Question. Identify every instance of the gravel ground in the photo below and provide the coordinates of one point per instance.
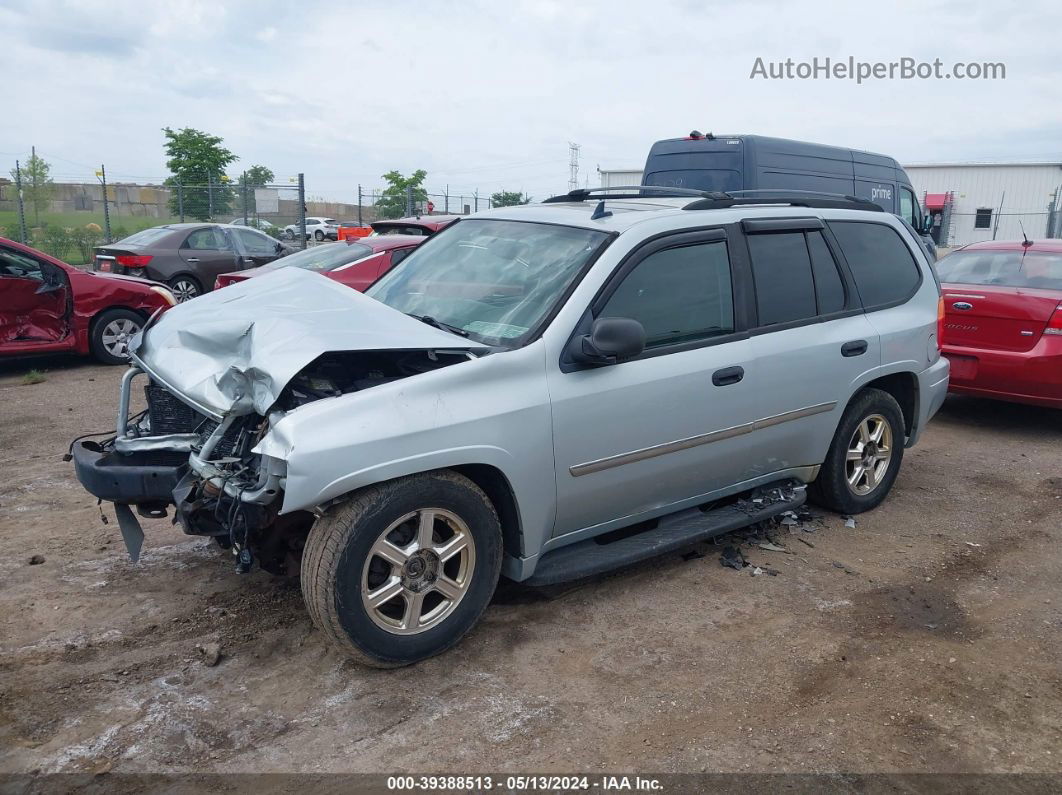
(927, 638)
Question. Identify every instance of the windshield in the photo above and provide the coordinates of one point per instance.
(1008, 268)
(496, 280)
(323, 258)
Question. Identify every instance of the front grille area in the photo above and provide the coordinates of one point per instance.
(168, 414)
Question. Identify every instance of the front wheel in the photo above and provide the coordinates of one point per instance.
(318, 236)
(865, 455)
(404, 569)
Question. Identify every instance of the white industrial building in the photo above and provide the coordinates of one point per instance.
(968, 201)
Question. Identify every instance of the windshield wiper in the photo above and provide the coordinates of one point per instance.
(439, 324)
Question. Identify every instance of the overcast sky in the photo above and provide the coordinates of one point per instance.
(488, 94)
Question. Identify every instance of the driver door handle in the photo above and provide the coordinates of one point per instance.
(192, 259)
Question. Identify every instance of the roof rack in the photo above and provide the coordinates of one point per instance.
(794, 198)
(637, 192)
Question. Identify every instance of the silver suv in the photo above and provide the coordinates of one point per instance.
(545, 392)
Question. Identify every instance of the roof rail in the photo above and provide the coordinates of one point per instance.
(637, 192)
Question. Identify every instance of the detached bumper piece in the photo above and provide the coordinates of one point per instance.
(145, 479)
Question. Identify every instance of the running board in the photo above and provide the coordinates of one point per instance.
(673, 532)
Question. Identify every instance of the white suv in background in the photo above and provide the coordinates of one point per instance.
(317, 228)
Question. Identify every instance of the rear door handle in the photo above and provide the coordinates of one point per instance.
(727, 376)
(854, 348)
(192, 259)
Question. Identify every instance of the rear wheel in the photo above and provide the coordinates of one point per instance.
(865, 456)
(185, 288)
(318, 236)
(403, 570)
(111, 333)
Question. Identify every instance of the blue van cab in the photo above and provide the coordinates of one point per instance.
(733, 163)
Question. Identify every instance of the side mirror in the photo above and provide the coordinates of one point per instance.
(611, 340)
(927, 224)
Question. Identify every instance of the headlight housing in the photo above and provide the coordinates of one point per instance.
(167, 296)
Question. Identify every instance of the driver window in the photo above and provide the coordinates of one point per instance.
(256, 243)
(678, 295)
(908, 207)
(20, 266)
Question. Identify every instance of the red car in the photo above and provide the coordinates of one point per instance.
(356, 263)
(47, 306)
(1003, 320)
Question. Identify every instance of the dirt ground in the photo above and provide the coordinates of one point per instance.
(927, 638)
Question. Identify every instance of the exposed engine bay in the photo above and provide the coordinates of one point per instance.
(174, 454)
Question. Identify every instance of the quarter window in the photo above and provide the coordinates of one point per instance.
(885, 272)
(678, 295)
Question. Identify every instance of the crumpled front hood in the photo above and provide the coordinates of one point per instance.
(235, 349)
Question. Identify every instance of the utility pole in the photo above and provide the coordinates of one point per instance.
(21, 207)
(573, 166)
(302, 210)
(102, 174)
(33, 173)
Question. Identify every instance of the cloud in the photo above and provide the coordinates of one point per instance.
(487, 95)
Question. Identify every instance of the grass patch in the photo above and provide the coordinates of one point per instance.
(33, 377)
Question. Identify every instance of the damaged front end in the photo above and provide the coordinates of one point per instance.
(171, 454)
(218, 374)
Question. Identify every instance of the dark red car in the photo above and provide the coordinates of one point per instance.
(47, 306)
(1003, 320)
(424, 225)
(356, 263)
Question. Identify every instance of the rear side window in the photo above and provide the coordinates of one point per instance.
(885, 272)
(829, 289)
(781, 269)
(678, 295)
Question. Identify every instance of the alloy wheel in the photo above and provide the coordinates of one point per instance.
(116, 336)
(184, 290)
(418, 571)
(869, 454)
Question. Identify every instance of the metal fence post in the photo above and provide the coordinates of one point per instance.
(302, 210)
(475, 199)
(409, 200)
(446, 200)
(180, 201)
(210, 197)
(245, 198)
(24, 239)
(106, 208)
(359, 206)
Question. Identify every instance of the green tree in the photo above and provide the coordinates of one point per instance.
(392, 201)
(37, 186)
(255, 177)
(196, 161)
(509, 198)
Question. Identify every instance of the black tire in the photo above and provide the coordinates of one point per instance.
(318, 236)
(832, 488)
(337, 555)
(185, 287)
(111, 330)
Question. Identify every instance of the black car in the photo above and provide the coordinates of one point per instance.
(189, 257)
